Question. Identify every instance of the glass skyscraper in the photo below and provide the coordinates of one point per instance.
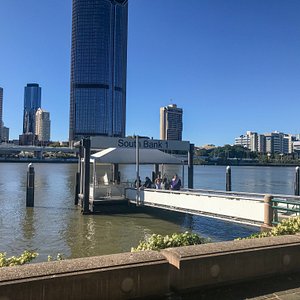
(98, 68)
(32, 101)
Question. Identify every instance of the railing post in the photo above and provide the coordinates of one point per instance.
(268, 212)
(30, 186)
(228, 179)
(297, 181)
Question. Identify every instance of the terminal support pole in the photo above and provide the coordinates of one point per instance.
(228, 178)
(77, 187)
(191, 167)
(137, 166)
(30, 186)
(297, 181)
(77, 175)
(182, 173)
(116, 178)
(268, 212)
(86, 188)
(156, 171)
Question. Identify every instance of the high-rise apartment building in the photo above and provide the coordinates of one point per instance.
(261, 143)
(32, 101)
(1, 111)
(249, 141)
(276, 142)
(171, 123)
(98, 68)
(42, 125)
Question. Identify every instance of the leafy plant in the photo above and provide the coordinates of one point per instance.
(24, 258)
(286, 226)
(58, 257)
(158, 242)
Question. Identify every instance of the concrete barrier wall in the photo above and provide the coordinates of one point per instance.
(152, 274)
(223, 205)
(118, 276)
(234, 261)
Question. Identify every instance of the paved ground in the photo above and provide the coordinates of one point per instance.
(281, 287)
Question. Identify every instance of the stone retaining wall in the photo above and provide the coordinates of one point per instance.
(152, 274)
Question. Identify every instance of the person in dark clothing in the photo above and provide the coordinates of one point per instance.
(175, 183)
(165, 185)
(148, 183)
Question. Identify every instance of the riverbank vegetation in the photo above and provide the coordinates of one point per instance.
(286, 226)
(238, 155)
(25, 257)
(158, 242)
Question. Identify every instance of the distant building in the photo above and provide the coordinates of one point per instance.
(261, 143)
(289, 140)
(5, 133)
(274, 142)
(32, 101)
(1, 111)
(206, 147)
(42, 125)
(27, 139)
(296, 146)
(171, 123)
(98, 68)
(249, 141)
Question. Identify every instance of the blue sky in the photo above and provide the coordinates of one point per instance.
(232, 65)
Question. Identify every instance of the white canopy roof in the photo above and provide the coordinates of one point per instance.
(128, 156)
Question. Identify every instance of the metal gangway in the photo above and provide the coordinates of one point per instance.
(240, 207)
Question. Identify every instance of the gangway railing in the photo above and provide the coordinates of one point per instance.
(107, 191)
(285, 207)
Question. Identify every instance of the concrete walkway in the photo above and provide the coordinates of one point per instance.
(285, 287)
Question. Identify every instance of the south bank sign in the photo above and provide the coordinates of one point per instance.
(100, 142)
(148, 144)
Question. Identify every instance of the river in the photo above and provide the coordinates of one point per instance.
(55, 225)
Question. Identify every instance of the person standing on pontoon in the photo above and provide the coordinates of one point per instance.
(175, 183)
(148, 183)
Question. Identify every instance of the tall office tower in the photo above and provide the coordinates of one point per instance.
(171, 123)
(98, 68)
(1, 106)
(32, 101)
(42, 125)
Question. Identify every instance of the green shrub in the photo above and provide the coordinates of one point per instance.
(58, 257)
(158, 242)
(24, 258)
(286, 226)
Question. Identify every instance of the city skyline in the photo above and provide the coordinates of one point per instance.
(231, 66)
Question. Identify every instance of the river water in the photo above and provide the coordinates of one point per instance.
(55, 225)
